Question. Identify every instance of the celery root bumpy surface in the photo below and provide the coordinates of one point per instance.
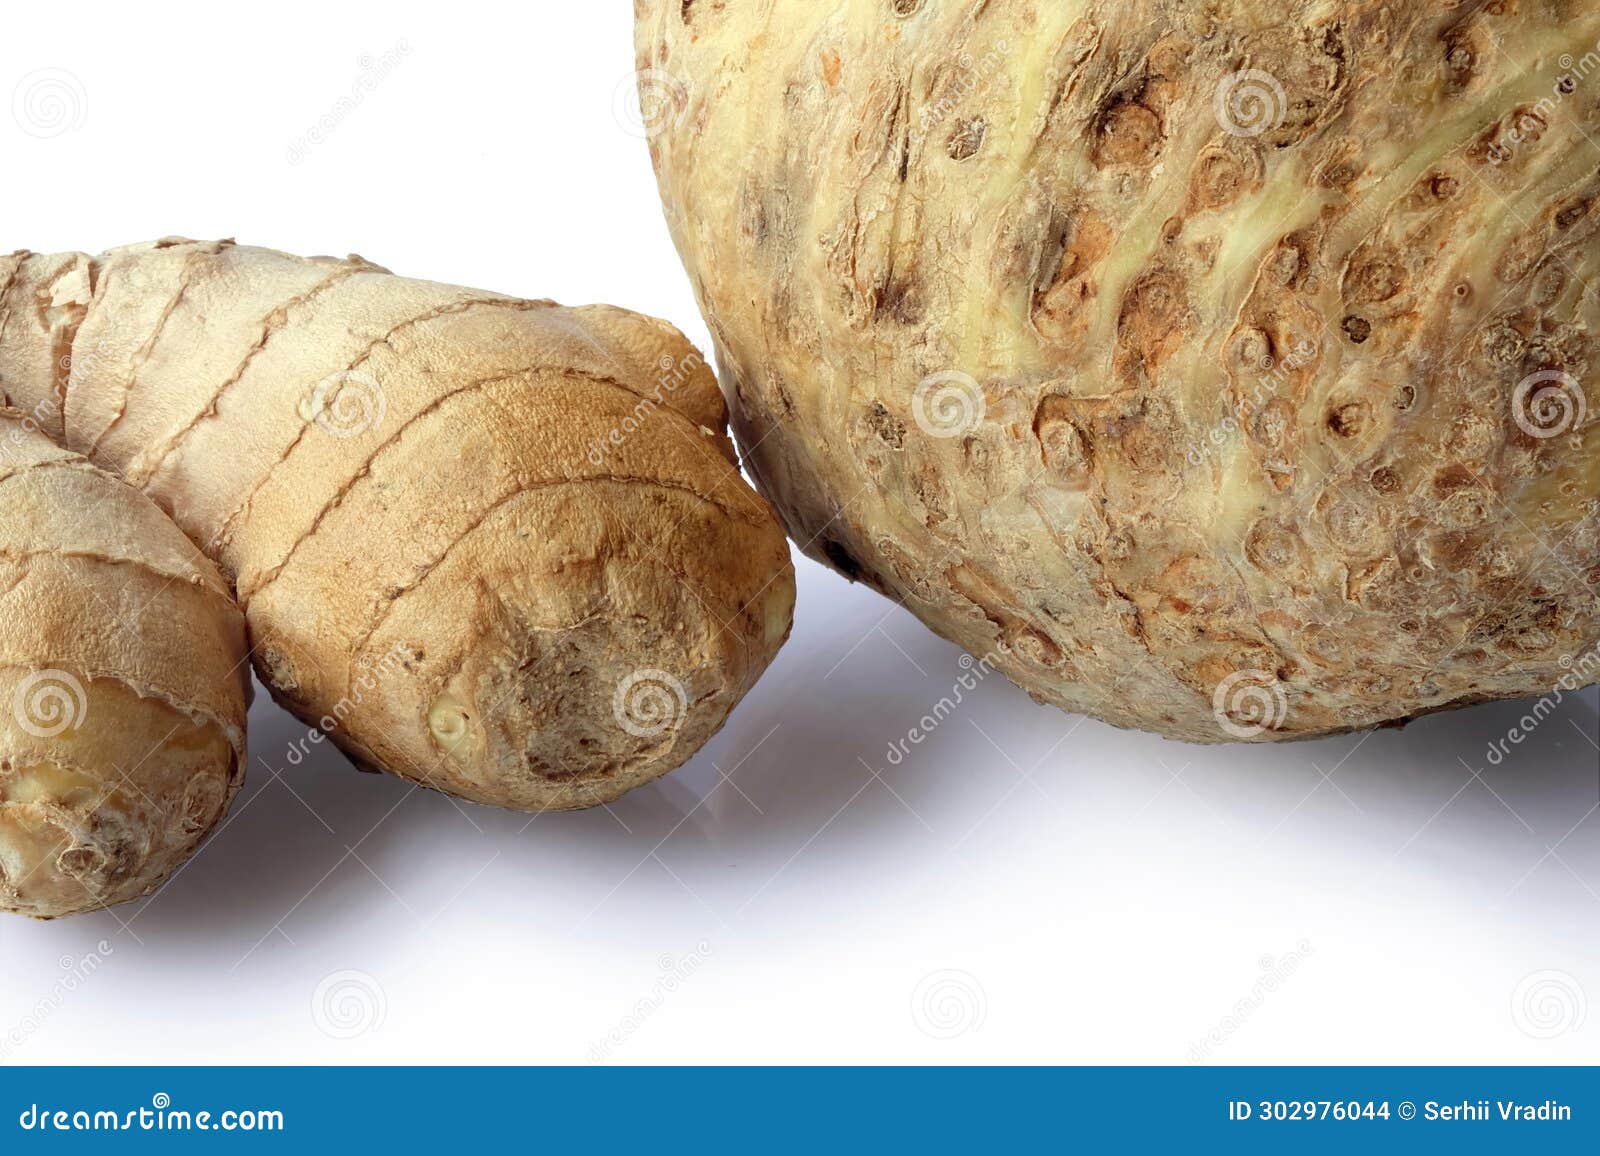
(1226, 370)
(496, 546)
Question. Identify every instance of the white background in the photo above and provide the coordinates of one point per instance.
(1027, 886)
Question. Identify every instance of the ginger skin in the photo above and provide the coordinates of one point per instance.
(123, 685)
(498, 547)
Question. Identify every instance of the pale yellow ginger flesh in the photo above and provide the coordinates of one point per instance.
(123, 685)
(1226, 370)
(474, 537)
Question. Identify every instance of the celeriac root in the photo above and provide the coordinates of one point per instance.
(1226, 370)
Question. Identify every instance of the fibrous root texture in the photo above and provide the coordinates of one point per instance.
(1225, 370)
(495, 546)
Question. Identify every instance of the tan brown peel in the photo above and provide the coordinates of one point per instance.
(1224, 370)
(495, 546)
(123, 685)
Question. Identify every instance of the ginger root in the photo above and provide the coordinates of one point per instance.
(123, 685)
(494, 546)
